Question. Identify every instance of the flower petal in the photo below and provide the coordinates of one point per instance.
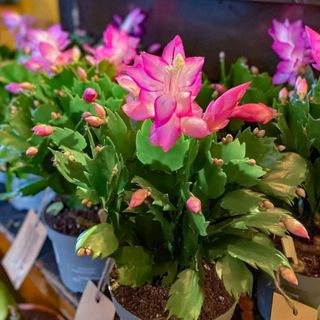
(194, 127)
(191, 70)
(253, 112)
(172, 49)
(164, 107)
(143, 80)
(154, 66)
(138, 110)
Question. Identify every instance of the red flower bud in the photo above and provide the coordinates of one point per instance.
(86, 114)
(289, 275)
(194, 204)
(42, 130)
(138, 197)
(32, 151)
(301, 87)
(89, 95)
(100, 111)
(94, 121)
(295, 227)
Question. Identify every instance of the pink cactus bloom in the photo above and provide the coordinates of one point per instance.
(119, 48)
(15, 87)
(291, 45)
(194, 204)
(132, 23)
(226, 107)
(168, 87)
(314, 41)
(43, 130)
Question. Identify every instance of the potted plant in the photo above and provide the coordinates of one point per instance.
(47, 110)
(10, 310)
(188, 206)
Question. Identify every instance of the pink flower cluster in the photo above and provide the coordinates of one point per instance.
(119, 48)
(291, 45)
(165, 88)
(47, 50)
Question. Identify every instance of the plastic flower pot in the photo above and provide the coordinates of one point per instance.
(74, 271)
(307, 292)
(35, 202)
(34, 311)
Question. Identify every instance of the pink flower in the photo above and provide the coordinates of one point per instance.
(314, 40)
(138, 197)
(168, 87)
(15, 87)
(119, 48)
(194, 204)
(132, 23)
(295, 227)
(301, 87)
(291, 46)
(42, 130)
(226, 107)
(89, 95)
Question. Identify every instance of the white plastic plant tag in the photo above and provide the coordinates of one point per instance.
(25, 249)
(281, 310)
(92, 308)
(289, 249)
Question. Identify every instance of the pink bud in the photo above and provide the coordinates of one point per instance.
(288, 275)
(220, 88)
(295, 227)
(94, 121)
(42, 130)
(100, 111)
(283, 95)
(32, 151)
(15, 87)
(194, 204)
(301, 87)
(86, 114)
(89, 95)
(82, 73)
(138, 197)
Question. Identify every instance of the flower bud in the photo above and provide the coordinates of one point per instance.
(55, 115)
(301, 192)
(194, 204)
(42, 130)
(89, 95)
(289, 275)
(82, 73)
(86, 114)
(295, 227)
(218, 162)
(15, 87)
(283, 95)
(98, 149)
(138, 197)
(100, 111)
(32, 151)
(251, 162)
(301, 87)
(281, 147)
(84, 252)
(94, 121)
(220, 88)
(254, 70)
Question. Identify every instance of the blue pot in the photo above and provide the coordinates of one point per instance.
(74, 271)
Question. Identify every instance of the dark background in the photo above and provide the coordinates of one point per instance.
(238, 27)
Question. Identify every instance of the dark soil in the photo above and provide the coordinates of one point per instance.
(72, 222)
(148, 302)
(310, 259)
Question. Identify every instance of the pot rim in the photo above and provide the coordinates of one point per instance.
(40, 307)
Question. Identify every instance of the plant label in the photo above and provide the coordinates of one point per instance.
(281, 310)
(94, 305)
(25, 249)
(289, 249)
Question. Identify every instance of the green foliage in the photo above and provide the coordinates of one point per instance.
(5, 301)
(187, 286)
(101, 239)
(155, 156)
(236, 276)
(134, 265)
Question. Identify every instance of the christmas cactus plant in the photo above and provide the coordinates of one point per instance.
(176, 190)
